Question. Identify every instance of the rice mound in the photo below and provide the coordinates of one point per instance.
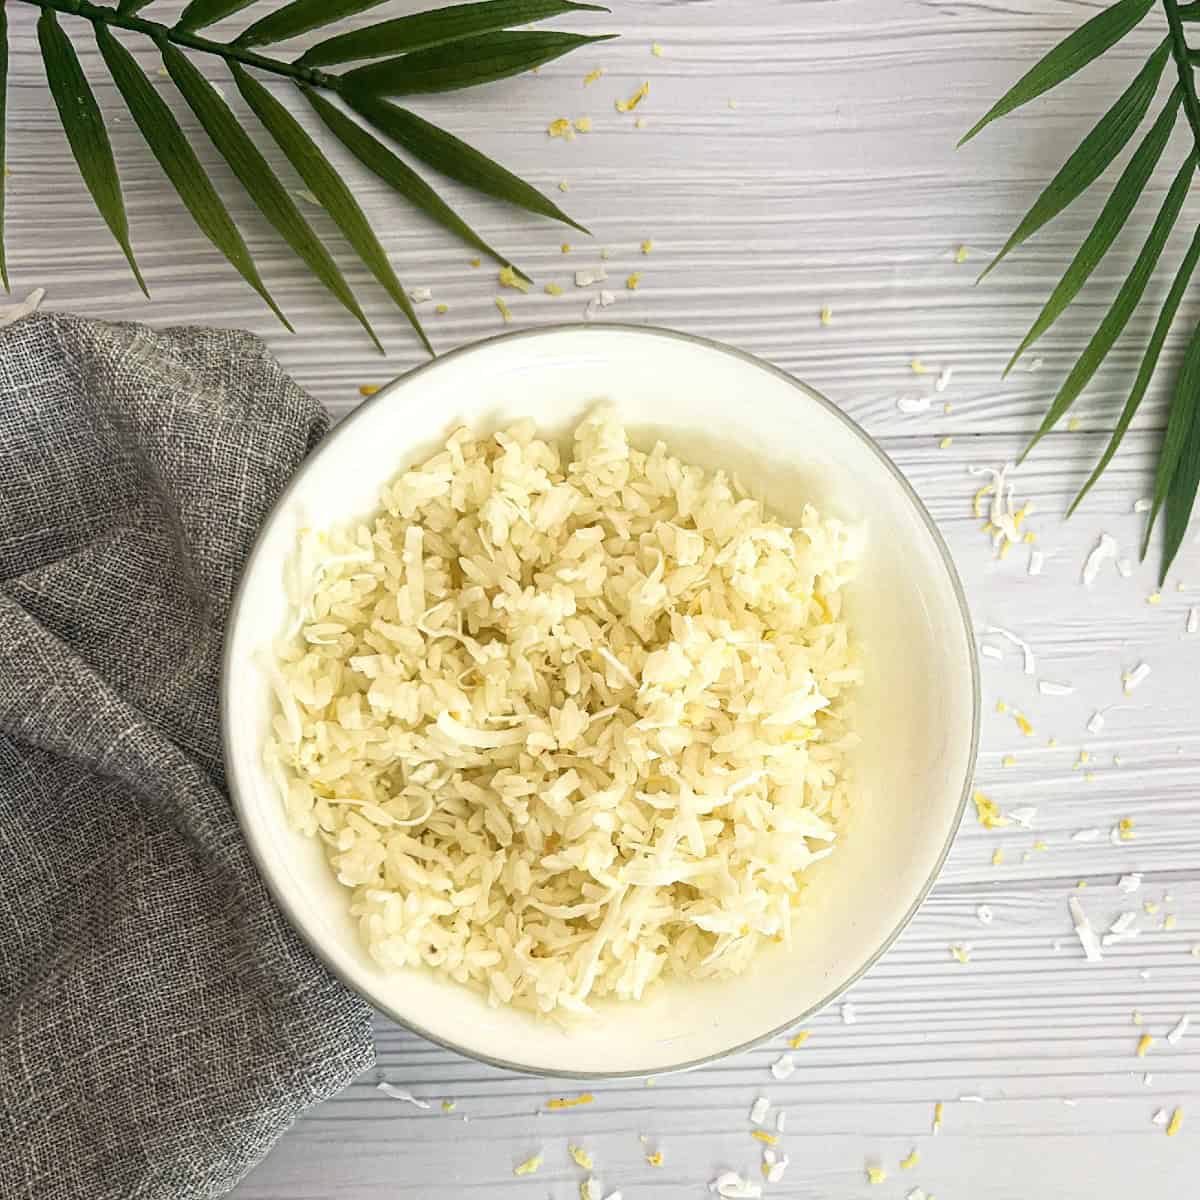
(565, 727)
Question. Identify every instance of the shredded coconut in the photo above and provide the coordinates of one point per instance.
(1105, 549)
(390, 1089)
(784, 1067)
(1180, 1028)
(1131, 882)
(567, 725)
(1084, 931)
(1020, 643)
(1049, 688)
(1135, 677)
(729, 1185)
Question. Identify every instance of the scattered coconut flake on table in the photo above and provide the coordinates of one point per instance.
(971, 1099)
(1049, 688)
(1180, 1028)
(1037, 560)
(783, 1067)
(1104, 549)
(758, 1110)
(1020, 643)
(1122, 929)
(729, 1185)
(420, 295)
(1096, 722)
(1023, 816)
(1130, 882)
(390, 1089)
(1193, 620)
(991, 652)
(911, 405)
(780, 1120)
(776, 1168)
(917, 1194)
(586, 276)
(1004, 521)
(1142, 505)
(11, 313)
(984, 913)
(943, 380)
(1084, 931)
(1136, 677)
(849, 1013)
(1087, 835)
(1160, 1117)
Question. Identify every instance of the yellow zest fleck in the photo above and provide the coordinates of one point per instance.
(1073, 425)
(1082, 883)
(1084, 756)
(560, 128)
(732, 102)
(798, 1040)
(1005, 546)
(1137, 1017)
(997, 857)
(938, 1110)
(988, 812)
(1008, 761)
(655, 1159)
(1052, 742)
(977, 502)
(583, 124)
(448, 1106)
(529, 1166)
(763, 1136)
(1030, 537)
(917, 367)
(1125, 829)
(634, 100)
(565, 247)
(1151, 907)
(476, 262)
(1040, 845)
(650, 1079)
(1154, 598)
(368, 389)
(1175, 1122)
(947, 408)
(907, 1164)
(563, 186)
(1001, 707)
(592, 76)
(573, 1102)
(632, 282)
(505, 311)
(640, 123)
(1023, 725)
(581, 1156)
(876, 1174)
(510, 279)
(961, 254)
(442, 309)
(987, 527)
(647, 246)
(945, 444)
(1170, 921)
(656, 50)
(960, 954)
(552, 289)
(1144, 1044)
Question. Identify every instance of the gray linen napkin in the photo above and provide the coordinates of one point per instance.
(160, 1024)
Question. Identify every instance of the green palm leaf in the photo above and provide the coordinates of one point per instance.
(256, 176)
(467, 63)
(325, 183)
(178, 160)
(1072, 54)
(1178, 435)
(128, 7)
(397, 174)
(1145, 373)
(299, 17)
(1110, 222)
(84, 127)
(452, 156)
(1127, 300)
(422, 30)
(1094, 154)
(3, 136)
(1181, 496)
(200, 13)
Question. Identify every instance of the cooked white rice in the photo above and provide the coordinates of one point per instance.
(568, 726)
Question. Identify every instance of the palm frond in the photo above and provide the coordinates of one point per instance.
(1178, 473)
(261, 183)
(329, 189)
(421, 31)
(437, 50)
(86, 134)
(1072, 54)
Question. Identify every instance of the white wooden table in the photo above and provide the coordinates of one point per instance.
(797, 155)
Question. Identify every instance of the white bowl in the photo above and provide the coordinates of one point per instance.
(919, 717)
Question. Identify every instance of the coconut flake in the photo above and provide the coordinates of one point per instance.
(1121, 930)
(1096, 723)
(1020, 643)
(1084, 931)
(1049, 688)
(729, 1185)
(586, 276)
(1087, 835)
(849, 1014)
(783, 1067)
(390, 1089)
(1105, 549)
(1136, 677)
(420, 295)
(971, 1099)
(1143, 505)
(758, 1110)
(780, 1120)
(777, 1168)
(1193, 620)
(11, 313)
(1160, 1117)
(911, 405)
(1131, 882)
(1037, 560)
(984, 913)
(1181, 1027)
(991, 652)
(943, 380)
(1023, 816)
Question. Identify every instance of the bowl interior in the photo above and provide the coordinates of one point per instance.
(715, 407)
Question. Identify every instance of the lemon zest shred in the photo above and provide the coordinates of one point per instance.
(570, 1102)
(798, 1040)
(1144, 1044)
(530, 1165)
(505, 311)
(592, 76)
(581, 1156)
(634, 100)
(1175, 1122)
(907, 1164)
(768, 1139)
